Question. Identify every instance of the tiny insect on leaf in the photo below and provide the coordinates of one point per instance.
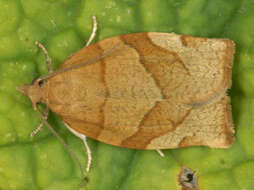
(144, 91)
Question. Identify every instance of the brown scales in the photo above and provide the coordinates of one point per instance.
(154, 91)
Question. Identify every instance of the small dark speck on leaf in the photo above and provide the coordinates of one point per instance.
(188, 179)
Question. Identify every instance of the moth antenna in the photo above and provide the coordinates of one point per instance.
(61, 140)
(80, 64)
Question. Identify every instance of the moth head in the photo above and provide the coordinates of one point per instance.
(33, 91)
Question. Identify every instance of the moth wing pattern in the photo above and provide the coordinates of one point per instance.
(154, 91)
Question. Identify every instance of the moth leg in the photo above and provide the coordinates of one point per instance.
(60, 139)
(48, 60)
(160, 152)
(89, 154)
(93, 31)
(45, 116)
(88, 150)
(50, 70)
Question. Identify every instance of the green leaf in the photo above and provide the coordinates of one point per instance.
(64, 26)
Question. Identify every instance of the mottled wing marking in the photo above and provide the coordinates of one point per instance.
(152, 127)
(132, 92)
(209, 125)
(208, 60)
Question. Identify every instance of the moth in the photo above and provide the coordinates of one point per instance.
(143, 91)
